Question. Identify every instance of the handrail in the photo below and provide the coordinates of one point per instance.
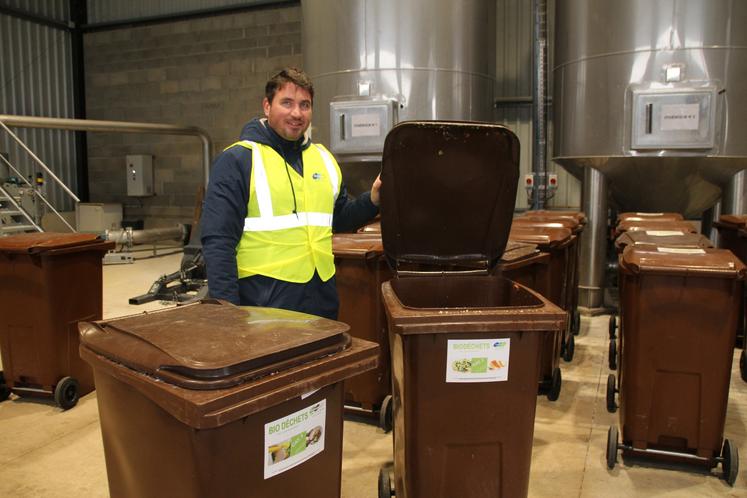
(20, 209)
(114, 126)
(38, 194)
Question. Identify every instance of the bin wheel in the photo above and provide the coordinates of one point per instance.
(613, 326)
(385, 414)
(743, 366)
(385, 483)
(611, 447)
(66, 393)
(557, 379)
(575, 322)
(611, 405)
(570, 348)
(730, 462)
(612, 360)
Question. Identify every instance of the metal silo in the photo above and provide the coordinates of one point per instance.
(649, 103)
(377, 62)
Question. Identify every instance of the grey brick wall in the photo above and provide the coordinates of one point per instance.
(207, 72)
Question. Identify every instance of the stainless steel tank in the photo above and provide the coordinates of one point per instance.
(377, 62)
(652, 95)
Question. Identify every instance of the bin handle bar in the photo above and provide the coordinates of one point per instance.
(443, 273)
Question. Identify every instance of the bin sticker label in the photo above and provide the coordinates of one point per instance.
(477, 360)
(680, 250)
(664, 233)
(293, 439)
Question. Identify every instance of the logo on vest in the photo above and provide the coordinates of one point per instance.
(316, 176)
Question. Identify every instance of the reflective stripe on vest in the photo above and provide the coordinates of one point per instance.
(267, 221)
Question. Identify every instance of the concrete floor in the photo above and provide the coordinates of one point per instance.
(46, 452)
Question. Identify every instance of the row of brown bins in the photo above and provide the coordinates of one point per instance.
(465, 342)
(679, 309)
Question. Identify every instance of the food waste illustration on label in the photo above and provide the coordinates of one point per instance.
(477, 360)
(295, 438)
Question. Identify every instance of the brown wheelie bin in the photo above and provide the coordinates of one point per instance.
(580, 219)
(732, 236)
(360, 270)
(524, 264)
(673, 227)
(563, 266)
(465, 345)
(679, 311)
(636, 216)
(215, 400)
(650, 239)
(50, 281)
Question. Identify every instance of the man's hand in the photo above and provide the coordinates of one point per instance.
(375, 197)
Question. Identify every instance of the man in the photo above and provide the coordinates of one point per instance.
(272, 202)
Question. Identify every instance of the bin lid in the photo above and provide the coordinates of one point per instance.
(663, 238)
(213, 344)
(733, 221)
(635, 216)
(682, 261)
(516, 250)
(661, 225)
(544, 237)
(448, 192)
(357, 245)
(38, 242)
(566, 221)
(551, 214)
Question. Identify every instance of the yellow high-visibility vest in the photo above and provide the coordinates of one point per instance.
(277, 242)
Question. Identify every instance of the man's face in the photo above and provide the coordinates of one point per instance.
(289, 113)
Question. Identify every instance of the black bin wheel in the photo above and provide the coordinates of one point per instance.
(557, 379)
(611, 447)
(385, 483)
(4, 389)
(611, 405)
(612, 359)
(743, 366)
(613, 326)
(385, 414)
(730, 462)
(575, 322)
(66, 393)
(570, 348)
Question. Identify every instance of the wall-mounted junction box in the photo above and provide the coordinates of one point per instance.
(139, 175)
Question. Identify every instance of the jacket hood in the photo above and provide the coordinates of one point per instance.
(258, 130)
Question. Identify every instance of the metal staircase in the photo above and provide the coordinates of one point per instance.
(14, 217)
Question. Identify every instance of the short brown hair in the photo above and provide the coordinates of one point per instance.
(288, 75)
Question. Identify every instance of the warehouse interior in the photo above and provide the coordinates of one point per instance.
(627, 122)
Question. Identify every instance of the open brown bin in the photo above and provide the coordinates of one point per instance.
(461, 338)
(214, 400)
(466, 438)
(680, 314)
(557, 239)
(360, 270)
(50, 281)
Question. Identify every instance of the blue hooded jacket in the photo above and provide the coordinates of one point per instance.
(222, 226)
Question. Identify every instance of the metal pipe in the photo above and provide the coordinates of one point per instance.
(592, 263)
(711, 215)
(114, 126)
(539, 116)
(128, 237)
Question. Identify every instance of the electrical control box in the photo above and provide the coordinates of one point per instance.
(139, 175)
